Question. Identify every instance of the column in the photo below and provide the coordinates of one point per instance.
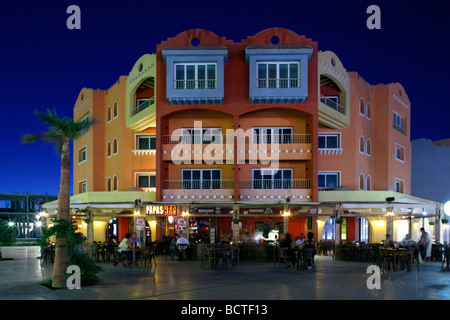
(285, 219)
(236, 215)
(390, 226)
(90, 230)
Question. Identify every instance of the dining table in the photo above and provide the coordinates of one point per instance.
(136, 250)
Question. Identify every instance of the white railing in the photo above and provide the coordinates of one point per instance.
(143, 105)
(332, 104)
(199, 184)
(275, 184)
(278, 83)
(196, 84)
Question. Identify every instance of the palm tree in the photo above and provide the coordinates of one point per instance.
(61, 131)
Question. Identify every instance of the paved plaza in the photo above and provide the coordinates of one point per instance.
(173, 280)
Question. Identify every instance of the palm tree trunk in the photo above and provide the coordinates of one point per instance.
(61, 256)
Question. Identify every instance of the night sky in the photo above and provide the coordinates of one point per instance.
(44, 65)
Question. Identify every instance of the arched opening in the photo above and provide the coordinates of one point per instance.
(108, 184)
(361, 144)
(109, 149)
(115, 110)
(368, 183)
(361, 181)
(362, 108)
(115, 183)
(369, 111)
(144, 96)
(368, 147)
(108, 114)
(331, 94)
(115, 146)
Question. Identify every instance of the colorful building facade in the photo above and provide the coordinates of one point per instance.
(247, 140)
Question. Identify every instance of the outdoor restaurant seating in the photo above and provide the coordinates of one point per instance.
(220, 257)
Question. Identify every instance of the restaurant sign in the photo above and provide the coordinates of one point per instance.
(166, 210)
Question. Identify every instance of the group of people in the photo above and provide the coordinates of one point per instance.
(424, 244)
(174, 244)
(301, 243)
(126, 246)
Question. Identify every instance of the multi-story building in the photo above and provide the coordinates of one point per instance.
(255, 137)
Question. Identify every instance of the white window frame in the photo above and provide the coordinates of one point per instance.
(111, 182)
(399, 146)
(398, 180)
(359, 145)
(371, 110)
(273, 176)
(114, 153)
(201, 178)
(359, 182)
(149, 174)
(370, 178)
(359, 106)
(369, 140)
(272, 135)
(278, 63)
(196, 80)
(112, 186)
(83, 183)
(84, 120)
(109, 144)
(338, 134)
(338, 173)
(394, 115)
(83, 147)
(115, 116)
(183, 130)
(136, 140)
(110, 113)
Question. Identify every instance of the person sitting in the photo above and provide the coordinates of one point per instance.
(286, 244)
(310, 244)
(135, 241)
(182, 244)
(407, 241)
(124, 250)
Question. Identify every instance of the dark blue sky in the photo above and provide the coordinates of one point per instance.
(45, 65)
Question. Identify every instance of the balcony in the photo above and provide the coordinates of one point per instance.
(275, 189)
(332, 104)
(198, 190)
(143, 105)
(186, 147)
(195, 84)
(278, 83)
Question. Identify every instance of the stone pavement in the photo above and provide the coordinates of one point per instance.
(173, 280)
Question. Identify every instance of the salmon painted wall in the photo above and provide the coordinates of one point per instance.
(236, 101)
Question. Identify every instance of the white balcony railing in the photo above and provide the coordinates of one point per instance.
(143, 105)
(199, 184)
(275, 184)
(332, 104)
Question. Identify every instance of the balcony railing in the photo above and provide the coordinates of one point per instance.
(223, 138)
(278, 83)
(275, 184)
(332, 104)
(199, 184)
(143, 105)
(196, 84)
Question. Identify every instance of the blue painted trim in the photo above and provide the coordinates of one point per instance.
(195, 96)
(278, 95)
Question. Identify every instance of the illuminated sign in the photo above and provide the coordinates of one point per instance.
(167, 210)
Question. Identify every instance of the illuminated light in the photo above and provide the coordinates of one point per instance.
(38, 216)
(50, 225)
(185, 214)
(43, 213)
(73, 217)
(286, 213)
(10, 224)
(412, 217)
(83, 223)
(153, 223)
(170, 219)
(80, 226)
(379, 222)
(389, 211)
(97, 223)
(424, 213)
(447, 207)
(38, 224)
(136, 213)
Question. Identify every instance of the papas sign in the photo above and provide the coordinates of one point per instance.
(166, 210)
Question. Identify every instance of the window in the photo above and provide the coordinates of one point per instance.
(115, 146)
(398, 123)
(85, 120)
(108, 114)
(82, 186)
(362, 108)
(146, 142)
(202, 178)
(272, 135)
(109, 150)
(361, 144)
(364, 230)
(284, 74)
(82, 155)
(146, 180)
(399, 152)
(116, 109)
(329, 179)
(399, 185)
(368, 183)
(202, 136)
(329, 141)
(195, 76)
(368, 147)
(108, 184)
(369, 111)
(361, 181)
(115, 183)
(272, 179)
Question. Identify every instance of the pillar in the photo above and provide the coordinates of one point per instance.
(90, 230)
(236, 215)
(390, 226)
(285, 219)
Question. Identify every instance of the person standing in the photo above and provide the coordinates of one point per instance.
(425, 241)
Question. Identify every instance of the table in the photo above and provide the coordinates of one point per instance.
(135, 250)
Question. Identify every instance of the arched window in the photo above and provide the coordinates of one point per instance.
(108, 152)
(361, 181)
(108, 114)
(369, 111)
(362, 107)
(361, 144)
(116, 109)
(115, 146)
(108, 184)
(368, 183)
(115, 183)
(369, 147)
